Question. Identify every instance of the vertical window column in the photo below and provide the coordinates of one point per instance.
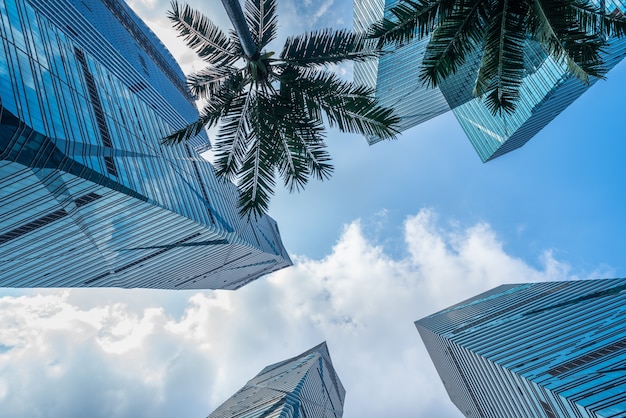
(94, 97)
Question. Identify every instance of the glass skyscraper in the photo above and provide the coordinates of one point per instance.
(546, 91)
(394, 76)
(305, 386)
(88, 195)
(554, 349)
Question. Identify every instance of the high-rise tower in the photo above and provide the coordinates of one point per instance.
(534, 350)
(305, 386)
(88, 195)
(546, 91)
(394, 75)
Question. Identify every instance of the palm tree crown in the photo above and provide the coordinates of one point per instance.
(270, 110)
(574, 32)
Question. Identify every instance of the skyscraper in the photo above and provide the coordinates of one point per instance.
(553, 349)
(305, 386)
(394, 76)
(88, 194)
(546, 90)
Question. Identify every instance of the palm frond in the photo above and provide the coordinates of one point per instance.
(217, 106)
(555, 28)
(582, 35)
(256, 176)
(327, 46)
(186, 133)
(211, 114)
(205, 83)
(256, 185)
(202, 35)
(237, 48)
(584, 51)
(291, 162)
(231, 141)
(308, 157)
(502, 65)
(593, 18)
(316, 155)
(302, 150)
(410, 20)
(292, 166)
(262, 21)
(349, 107)
(360, 116)
(453, 40)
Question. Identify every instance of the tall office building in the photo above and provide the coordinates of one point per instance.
(546, 91)
(88, 195)
(550, 350)
(394, 75)
(305, 386)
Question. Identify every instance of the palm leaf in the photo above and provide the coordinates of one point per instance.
(592, 17)
(316, 155)
(502, 66)
(327, 47)
(202, 35)
(302, 148)
(292, 165)
(554, 27)
(237, 48)
(584, 52)
(217, 106)
(256, 185)
(185, 133)
(205, 83)
(348, 107)
(262, 21)
(410, 19)
(256, 176)
(359, 115)
(455, 39)
(311, 157)
(582, 36)
(233, 136)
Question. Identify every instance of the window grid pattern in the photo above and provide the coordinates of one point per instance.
(568, 356)
(305, 386)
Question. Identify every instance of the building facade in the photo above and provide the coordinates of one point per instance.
(546, 91)
(305, 386)
(393, 75)
(89, 196)
(553, 349)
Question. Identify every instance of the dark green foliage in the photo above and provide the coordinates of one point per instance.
(573, 32)
(271, 110)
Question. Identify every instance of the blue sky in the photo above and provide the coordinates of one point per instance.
(562, 191)
(404, 228)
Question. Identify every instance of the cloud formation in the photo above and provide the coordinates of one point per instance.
(116, 353)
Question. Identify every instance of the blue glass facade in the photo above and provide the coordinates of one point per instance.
(546, 91)
(88, 195)
(553, 349)
(394, 75)
(300, 387)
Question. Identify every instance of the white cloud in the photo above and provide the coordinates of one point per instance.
(118, 353)
(143, 4)
(323, 9)
(154, 14)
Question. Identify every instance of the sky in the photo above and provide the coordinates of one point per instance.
(403, 229)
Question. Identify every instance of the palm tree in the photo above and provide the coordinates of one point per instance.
(573, 32)
(270, 111)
